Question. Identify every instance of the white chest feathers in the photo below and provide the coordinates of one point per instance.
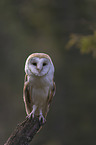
(40, 90)
(39, 96)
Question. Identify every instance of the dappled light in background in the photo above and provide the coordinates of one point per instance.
(46, 26)
(86, 44)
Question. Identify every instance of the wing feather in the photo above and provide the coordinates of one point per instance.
(27, 97)
(50, 97)
(52, 93)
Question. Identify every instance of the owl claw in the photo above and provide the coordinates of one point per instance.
(42, 119)
(31, 114)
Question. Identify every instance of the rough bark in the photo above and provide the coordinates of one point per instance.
(24, 132)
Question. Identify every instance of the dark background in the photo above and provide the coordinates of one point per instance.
(45, 26)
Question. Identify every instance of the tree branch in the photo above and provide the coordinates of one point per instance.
(24, 132)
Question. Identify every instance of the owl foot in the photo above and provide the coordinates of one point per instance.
(42, 119)
(33, 112)
(31, 115)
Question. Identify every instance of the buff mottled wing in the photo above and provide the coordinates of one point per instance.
(27, 97)
(51, 95)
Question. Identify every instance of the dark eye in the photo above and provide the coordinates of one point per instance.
(34, 63)
(44, 64)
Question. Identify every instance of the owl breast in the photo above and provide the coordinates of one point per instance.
(40, 90)
(39, 96)
(41, 82)
(40, 87)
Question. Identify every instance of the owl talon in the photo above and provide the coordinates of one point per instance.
(42, 119)
(33, 115)
(30, 115)
(33, 112)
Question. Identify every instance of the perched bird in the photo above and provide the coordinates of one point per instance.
(39, 85)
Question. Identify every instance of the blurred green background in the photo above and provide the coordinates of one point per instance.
(63, 29)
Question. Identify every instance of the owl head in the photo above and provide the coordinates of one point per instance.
(39, 64)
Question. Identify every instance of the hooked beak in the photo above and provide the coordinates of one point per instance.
(39, 70)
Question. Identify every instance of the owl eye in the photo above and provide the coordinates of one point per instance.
(34, 63)
(44, 63)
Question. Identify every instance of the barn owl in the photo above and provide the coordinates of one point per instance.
(39, 86)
